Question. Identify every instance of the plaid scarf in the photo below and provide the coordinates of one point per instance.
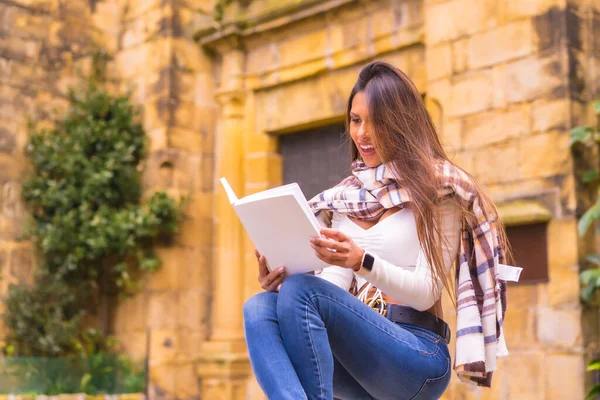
(481, 294)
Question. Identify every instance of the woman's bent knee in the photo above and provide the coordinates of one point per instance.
(260, 307)
(297, 283)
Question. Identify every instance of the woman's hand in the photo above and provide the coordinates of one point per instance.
(338, 249)
(269, 281)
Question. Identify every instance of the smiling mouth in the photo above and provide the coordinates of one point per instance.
(367, 149)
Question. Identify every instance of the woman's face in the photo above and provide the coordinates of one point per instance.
(361, 131)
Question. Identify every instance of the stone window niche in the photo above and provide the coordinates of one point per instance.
(527, 231)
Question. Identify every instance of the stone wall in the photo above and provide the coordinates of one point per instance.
(46, 46)
(505, 81)
(509, 77)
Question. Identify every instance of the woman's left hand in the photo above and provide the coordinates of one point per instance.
(347, 254)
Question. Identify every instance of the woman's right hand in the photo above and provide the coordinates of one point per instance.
(269, 281)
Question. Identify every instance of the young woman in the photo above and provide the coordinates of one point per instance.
(370, 326)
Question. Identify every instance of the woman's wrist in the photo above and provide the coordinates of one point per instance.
(356, 265)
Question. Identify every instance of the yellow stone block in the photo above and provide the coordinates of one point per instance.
(164, 347)
(563, 243)
(439, 61)
(131, 314)
(134, 345)
(193, 310)
(533, 77)
(187, 384)
(566, 379)
(545, 155)
(263, 168)
(166, 278)
(303, 46)
(559, 327)
(460, 60)
(522, 296)
(563, 286)
(550, 115)
(472, 16)
(439, 22)
(497, 164)
(510, 42)
(526, 375)
(485, 128)
(185, 139)
(519, 9)
(192, 342)
(190, 57)
(523, 212)
(137, 7)
(160, 311)
(162, 381)
(471, 93)
(519, 327)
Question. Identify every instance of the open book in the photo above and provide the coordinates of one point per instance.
(280, 223)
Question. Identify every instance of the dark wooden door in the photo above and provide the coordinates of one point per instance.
(316, 159)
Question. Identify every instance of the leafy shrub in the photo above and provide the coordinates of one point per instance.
(589, 136)
(95, 237)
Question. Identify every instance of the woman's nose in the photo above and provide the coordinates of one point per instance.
(362, 132)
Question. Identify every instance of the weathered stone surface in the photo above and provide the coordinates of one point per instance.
(491, 166)
(484, 129)
(471, 93)
(535, 77)
(563, 370)
(161, 310)
(21, 263)
(550, 115)
(526, 375)
(510, 41)
(545, 155)
(519, 326)
(439, 61)
(559, 327)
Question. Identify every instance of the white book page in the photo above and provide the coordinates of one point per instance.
(281, 230)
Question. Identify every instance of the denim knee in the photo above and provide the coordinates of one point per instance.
(260, 307)
(298, 283)
(297, 290)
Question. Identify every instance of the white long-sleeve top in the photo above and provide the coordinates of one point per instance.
(400, 269)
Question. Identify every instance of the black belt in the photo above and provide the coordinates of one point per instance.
(423, 319)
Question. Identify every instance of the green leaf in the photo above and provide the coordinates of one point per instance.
(593, 365)
(593, 258)
(588, 292)
(588, 218)
(594, 391)
(590, 176)
(580, 134)
(589, 275)
(597, 107)
(85, 380)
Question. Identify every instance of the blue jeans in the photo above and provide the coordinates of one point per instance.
(314, 340)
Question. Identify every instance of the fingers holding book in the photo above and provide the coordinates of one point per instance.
(269, 281)
(337, 248)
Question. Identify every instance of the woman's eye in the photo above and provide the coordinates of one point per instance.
(356, 121)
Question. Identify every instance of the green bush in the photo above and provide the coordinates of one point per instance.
(94, 234)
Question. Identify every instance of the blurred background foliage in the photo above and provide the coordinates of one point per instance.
(588, 137)
(95, 237)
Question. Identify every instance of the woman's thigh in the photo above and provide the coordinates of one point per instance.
(388, 360)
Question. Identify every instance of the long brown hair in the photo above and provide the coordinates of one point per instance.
(405, 138)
